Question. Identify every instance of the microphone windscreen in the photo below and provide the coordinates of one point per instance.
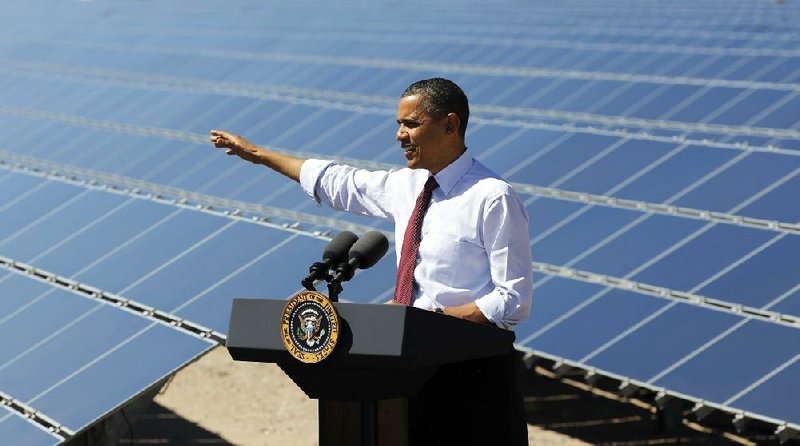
(338, 247)
(369, 249)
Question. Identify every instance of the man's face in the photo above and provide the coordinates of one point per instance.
(421, 136)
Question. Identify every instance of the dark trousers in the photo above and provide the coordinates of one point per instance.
(471, 403)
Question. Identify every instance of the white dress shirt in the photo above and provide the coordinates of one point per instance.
(475, 245)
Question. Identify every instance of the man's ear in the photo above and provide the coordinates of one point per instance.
(452, 123)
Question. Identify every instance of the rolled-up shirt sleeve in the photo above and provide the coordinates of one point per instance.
(507, 244)
(310, 172)
(347, 188)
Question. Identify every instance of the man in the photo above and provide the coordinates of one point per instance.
(461, 232)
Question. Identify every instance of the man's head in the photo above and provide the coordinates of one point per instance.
(432, 116)
(440, 97)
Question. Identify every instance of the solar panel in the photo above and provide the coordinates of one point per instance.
(14, 426)
(655, 147)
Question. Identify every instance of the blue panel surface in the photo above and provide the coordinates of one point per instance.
(304, 131)
(16, 215)
(86, 335)
(557, 163)
(554, 297)
(198, 176)
(718, 373)
(586, 330)
(547, 212)
(707, 254)
(258, 118)
(617, 167)
(274, 276)
(211, 261)
(107, 381)
(762, 278)
(517, 150)
(639, 245)
(587, 96)
(109, 235)
(347, 134)
(78, 344)
(741, 113)
(777, 397)
(788, 303)
(663, 98)
(162, 242)
(574, 238)
(735, 185)
(18, 292)
(627, 100)
(191, 157)
(36, 321)
(662, 341)
(782, 117)
(675, 174)
(773, 205)
(24, 433)
(149, 155)
(45, 235)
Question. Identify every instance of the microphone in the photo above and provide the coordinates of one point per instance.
(364, 254)
(335, 252)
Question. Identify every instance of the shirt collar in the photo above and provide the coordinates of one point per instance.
(449, 176)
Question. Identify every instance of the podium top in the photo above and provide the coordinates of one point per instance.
(372, 336)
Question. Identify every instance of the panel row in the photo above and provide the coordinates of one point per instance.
(23, 431)
(134, 247)
(709, 23)
(737, 264)
(656, 172)
(177, 260)
(681, 347)
(594, 92)
(661, 59)
(63, 347)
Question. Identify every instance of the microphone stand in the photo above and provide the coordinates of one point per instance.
(334, 282)
(344, 272)
(334, 288)
(313, 271)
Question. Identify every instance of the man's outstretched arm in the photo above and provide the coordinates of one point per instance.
(236, 145)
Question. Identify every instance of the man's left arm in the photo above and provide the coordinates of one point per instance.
(507, 244)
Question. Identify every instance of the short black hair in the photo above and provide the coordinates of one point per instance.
(439, 97)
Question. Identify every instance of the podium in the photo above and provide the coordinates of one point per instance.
(384, 352)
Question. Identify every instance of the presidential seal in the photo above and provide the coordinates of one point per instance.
(309, 326)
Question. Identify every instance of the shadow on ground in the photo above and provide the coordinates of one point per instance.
(602, 417)
(158, 425)
(587, 416)
(550, 404)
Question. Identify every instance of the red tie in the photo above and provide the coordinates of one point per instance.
(404, 288)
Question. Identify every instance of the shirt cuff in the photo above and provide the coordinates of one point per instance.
(493, 310)
(310, 172)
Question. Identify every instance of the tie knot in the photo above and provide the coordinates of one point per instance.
(431, 184)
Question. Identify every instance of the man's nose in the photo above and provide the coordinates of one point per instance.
(401, 134)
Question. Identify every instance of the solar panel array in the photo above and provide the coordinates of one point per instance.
(655, 146)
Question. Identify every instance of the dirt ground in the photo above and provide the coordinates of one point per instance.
(218, 401)
(257, 404)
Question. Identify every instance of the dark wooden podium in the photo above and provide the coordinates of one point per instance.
(385, 352)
